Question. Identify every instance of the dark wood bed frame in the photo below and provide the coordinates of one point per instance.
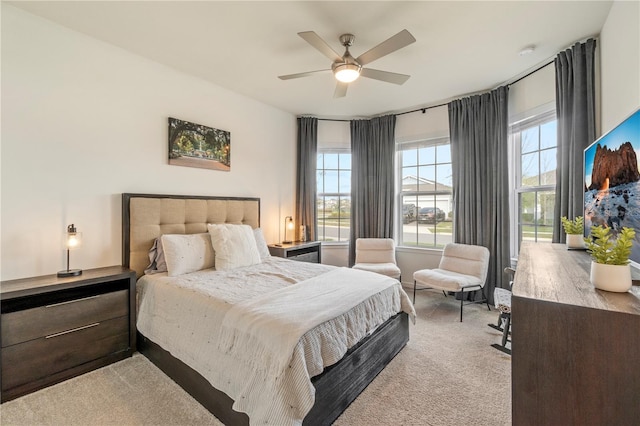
(336, 387)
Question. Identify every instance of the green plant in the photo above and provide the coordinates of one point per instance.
(572, 227)
(604, 250)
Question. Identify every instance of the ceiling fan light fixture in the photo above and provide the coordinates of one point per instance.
(346, 73)
(346, 68)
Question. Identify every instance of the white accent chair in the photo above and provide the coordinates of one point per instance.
(463, 268)
(377, 255)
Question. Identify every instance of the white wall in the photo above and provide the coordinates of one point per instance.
(83, 121)
(620, 63)
(335, 254)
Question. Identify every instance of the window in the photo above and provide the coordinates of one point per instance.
(426, 193)
(334, 195)
(534, 143)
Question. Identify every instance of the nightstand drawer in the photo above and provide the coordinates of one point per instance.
(308, 251)
(29, 324)
(306, 257)
(35, 359)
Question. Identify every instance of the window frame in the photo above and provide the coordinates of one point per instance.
(516, 190)
(320, 227)
(417, 144)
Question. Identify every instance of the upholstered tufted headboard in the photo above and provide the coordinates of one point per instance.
(148, 216)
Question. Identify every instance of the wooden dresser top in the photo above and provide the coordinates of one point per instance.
(550, 272)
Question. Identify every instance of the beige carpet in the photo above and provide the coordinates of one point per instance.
(447, 375)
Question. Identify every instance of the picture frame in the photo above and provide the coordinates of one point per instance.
(197, 145)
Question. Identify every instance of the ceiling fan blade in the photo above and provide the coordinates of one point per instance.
(398, 41)
(341, 90)
(315, 40)
(300, 74)
(389, 77)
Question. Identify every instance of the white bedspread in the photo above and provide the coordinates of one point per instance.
(185, 315)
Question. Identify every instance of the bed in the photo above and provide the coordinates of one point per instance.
(146, 217)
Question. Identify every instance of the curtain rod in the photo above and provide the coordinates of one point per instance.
(532, 72)
(423, 109)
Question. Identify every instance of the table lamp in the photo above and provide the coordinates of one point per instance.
(73, 239)
(288, 225)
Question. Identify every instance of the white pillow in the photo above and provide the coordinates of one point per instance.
(186, 253)
(263, 249)
(234, 245)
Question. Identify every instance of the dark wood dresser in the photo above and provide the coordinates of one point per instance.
(52, 329)
(575, 349)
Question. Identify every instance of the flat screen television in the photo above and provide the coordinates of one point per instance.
(612, 181)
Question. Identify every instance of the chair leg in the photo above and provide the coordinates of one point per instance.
(414, 292)
(497, 326)
(505, 333)
(486, 299)
(506, 326)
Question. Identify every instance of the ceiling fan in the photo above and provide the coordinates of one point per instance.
(346, 68)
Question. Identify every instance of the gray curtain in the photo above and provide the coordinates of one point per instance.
(372, 179)
(575, 108)
(306, 206)
(478, 128)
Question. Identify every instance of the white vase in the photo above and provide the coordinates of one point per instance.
(615, 278)
(575, 241)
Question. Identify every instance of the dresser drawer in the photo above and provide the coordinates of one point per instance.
(35, 359)
(29, 324)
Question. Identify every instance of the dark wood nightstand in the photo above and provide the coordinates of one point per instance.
(52, 329)
(308, 251)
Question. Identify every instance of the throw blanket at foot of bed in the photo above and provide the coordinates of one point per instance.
(263, 332)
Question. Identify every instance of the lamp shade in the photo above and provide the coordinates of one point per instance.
(73, 238)
(288, 226)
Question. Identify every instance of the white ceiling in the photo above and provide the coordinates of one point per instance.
(461, 47)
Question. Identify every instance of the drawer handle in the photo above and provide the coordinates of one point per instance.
(72, 330)
(72, 301)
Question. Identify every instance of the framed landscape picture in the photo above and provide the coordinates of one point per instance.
(195, 145)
